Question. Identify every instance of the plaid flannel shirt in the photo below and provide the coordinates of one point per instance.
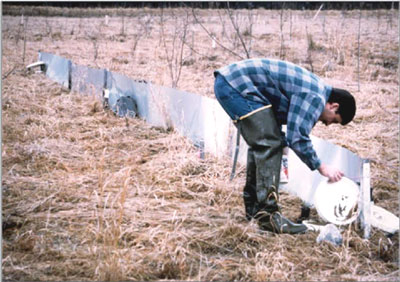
(297, 96)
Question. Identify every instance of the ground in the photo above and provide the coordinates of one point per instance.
(90, 196)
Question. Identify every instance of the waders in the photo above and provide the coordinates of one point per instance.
(261, 132)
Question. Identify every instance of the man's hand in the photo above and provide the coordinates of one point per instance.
(332, 173)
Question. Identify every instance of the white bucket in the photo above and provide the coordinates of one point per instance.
(337, 202)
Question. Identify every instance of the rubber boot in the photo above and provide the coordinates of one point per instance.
(249, 191)
(276, 222)
(305, 213)
(261, 132)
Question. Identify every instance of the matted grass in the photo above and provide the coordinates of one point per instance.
(90, 196)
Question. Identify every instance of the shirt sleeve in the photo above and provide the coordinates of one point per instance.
(304, 112)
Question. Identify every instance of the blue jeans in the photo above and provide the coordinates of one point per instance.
(234, 104)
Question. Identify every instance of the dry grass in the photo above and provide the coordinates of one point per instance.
(89, 196)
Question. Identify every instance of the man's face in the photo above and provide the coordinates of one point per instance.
(330, 115)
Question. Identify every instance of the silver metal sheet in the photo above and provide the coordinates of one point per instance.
(87, 80)
(122, 86)
(183, 111)
(57, 68)
(219, 134)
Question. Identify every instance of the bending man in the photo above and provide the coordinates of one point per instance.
(260, 95)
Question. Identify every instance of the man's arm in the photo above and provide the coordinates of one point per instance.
(304, 112)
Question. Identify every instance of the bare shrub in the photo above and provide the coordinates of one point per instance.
(174, 46)
(237, 34)
(144, 30)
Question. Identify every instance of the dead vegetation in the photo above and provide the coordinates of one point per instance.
(89, 196)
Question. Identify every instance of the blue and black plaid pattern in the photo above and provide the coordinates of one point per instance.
(298, 98)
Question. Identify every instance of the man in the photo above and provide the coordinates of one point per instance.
(260, 95)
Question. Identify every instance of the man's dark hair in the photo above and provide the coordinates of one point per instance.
(347, 104)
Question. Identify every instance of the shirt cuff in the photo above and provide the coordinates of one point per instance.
(315, 165)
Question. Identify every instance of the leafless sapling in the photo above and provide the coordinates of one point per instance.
(218, 41)
(282, 54)
(175, 46)
(24, 48)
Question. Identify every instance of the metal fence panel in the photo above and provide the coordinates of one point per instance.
(87, 80)
(183, 111)
(57, 68)
(123, 86)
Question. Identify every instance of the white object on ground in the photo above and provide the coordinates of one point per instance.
(313, 227)
(384, 219)
(337, 202)
(37, 64)
(330, 233)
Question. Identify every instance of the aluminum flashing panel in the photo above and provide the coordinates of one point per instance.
(183, 111)
(199, 118)
(87, 80)
(122, 86)
(57, 68)
(218, 130)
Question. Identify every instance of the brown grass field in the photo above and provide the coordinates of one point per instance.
(88, 196)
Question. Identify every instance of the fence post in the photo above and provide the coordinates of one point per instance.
(365, 199)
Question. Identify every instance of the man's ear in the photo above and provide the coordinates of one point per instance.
(336, 107)
(333, 106)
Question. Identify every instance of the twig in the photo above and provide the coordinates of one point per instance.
(290, 26)
(358, 53)
(10, 72)
(122, 32)
(281, 51)
(198, 53)
(251, 22)
(319, 10)
(212, 37)
(24, 50)
(236, 27)
(223, 24)
(309, 49)
(37, 205)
